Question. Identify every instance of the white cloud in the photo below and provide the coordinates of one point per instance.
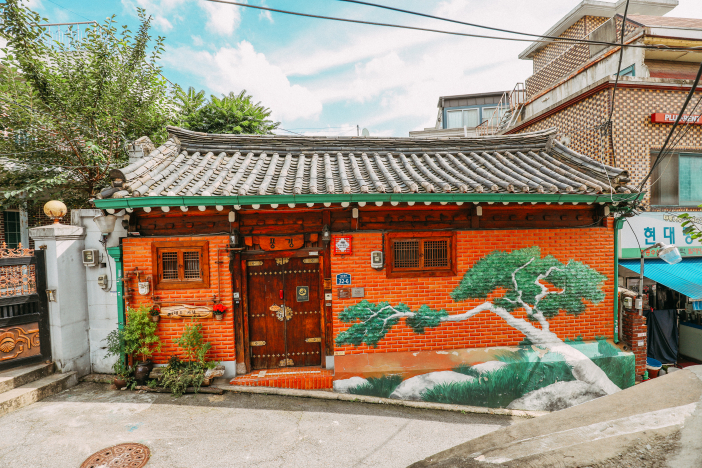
(265, 14)
(222, 18)
(241, 67)
(162, 23)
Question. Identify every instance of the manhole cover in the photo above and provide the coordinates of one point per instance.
(118, 456)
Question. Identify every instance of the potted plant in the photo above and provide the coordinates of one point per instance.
(117, 346)
(122, 374)
(155, 313)
(141, 340)
(219, 310)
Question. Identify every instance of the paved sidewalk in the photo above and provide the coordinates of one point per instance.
(657, 424)
(231, 430)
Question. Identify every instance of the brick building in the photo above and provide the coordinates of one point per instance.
(386, 265)
(573, 89)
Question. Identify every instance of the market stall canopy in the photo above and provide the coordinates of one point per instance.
(281, 169)
(684, 277)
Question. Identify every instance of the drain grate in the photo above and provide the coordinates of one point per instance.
(119, 456)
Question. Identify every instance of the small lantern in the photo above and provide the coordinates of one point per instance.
(234, 239)
(106, 224)
(326, 234)
(55, 210)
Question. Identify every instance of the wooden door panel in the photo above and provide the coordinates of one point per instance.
(303, 330)
(266, 331)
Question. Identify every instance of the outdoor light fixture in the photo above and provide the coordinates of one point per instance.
(668, 253)
(326, 234)
(106, 224)
(234, 239)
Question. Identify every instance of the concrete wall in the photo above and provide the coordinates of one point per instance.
(102, 304)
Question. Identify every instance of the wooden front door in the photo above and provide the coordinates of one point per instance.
(284, 312)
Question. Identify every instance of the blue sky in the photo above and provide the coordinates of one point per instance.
(324, 77)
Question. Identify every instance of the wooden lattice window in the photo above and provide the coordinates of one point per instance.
(181, 265)
(413, 254)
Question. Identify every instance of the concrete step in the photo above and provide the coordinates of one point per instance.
(19, 376)
(34, 391)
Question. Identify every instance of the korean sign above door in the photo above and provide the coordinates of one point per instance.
(648, 228)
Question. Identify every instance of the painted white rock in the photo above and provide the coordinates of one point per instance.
(412, 388)
(489, 366)
(343, 386)
(557, 396)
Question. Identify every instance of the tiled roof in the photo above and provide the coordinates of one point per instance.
(666, 21)
(195, 164)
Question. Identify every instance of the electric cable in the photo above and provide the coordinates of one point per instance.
(455, 33)
(619, 67)
(677, 120)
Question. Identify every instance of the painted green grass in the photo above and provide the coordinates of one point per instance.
(499, 388)
(378, 386)
(620, 369)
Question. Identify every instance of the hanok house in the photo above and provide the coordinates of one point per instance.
(390, 266)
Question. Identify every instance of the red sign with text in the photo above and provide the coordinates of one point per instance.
(342, 245)
(661, 117)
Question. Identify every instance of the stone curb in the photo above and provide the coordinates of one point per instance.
(322, 395)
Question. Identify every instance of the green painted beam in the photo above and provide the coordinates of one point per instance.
(247, 200)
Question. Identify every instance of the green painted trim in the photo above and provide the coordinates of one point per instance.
(634, 253)
(618, 223)
(141, 202)
(116, 254)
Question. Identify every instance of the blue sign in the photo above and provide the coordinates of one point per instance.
(343, 279)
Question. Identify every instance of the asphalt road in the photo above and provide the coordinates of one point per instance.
(231, 430)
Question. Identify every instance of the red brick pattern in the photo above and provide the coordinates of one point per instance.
(634, 335)
(220, 333)
(634, 136)
(592, 246)
(301, 378)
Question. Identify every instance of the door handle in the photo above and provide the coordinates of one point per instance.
(281, 294)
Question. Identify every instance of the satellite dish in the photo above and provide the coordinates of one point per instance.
(365, 132)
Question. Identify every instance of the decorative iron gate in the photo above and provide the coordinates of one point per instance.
(24, 311)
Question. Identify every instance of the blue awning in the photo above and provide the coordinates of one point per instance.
(684, 277)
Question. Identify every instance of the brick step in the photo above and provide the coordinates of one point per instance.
(19, 376)
(301, 378)
(34, 391)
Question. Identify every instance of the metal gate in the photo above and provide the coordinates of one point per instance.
(24, 311)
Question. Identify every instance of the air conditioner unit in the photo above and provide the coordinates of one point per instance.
(91, 257)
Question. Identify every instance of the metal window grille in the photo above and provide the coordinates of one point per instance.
(191, 260)
(169, 265)
(405, 254)
(436, 253)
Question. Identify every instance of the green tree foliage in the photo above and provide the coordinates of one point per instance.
(523, 274)
(74, 103)
(233, 113)
(193, 343)
(690, 227)
(139, 333)
(189, 102)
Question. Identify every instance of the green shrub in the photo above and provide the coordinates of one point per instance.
(193, 343)
(378, 386)
(179, 375)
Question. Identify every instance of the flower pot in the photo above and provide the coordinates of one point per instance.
(142, 371)
(119, 382)
(219, 316)
(155, 318)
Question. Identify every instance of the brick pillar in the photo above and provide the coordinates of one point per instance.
(634, 335)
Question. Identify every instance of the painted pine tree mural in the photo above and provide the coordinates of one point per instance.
(525, 276)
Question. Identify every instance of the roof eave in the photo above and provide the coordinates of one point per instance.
(248, 200)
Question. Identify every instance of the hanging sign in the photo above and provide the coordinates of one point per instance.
(271, 243)
(662, 117)
(648, 228)
(343, 279)
(342, 245)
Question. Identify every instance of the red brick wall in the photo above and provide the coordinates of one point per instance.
(634, 335)
(137, 253)
(592, 246)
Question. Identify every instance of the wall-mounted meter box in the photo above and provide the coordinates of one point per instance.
(628, 302)
(377, 259)
(91, 257)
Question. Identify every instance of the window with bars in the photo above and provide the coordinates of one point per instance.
(432, 255)
(181, 265)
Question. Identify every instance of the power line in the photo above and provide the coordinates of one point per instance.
(454, 33)
(677, 120)
(619, 67)
(450, 20)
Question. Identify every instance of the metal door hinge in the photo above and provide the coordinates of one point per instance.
(286, 362)
(254, 263)
(257, 343)
(313, 340)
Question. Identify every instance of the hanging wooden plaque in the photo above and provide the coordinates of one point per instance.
(270, 243)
